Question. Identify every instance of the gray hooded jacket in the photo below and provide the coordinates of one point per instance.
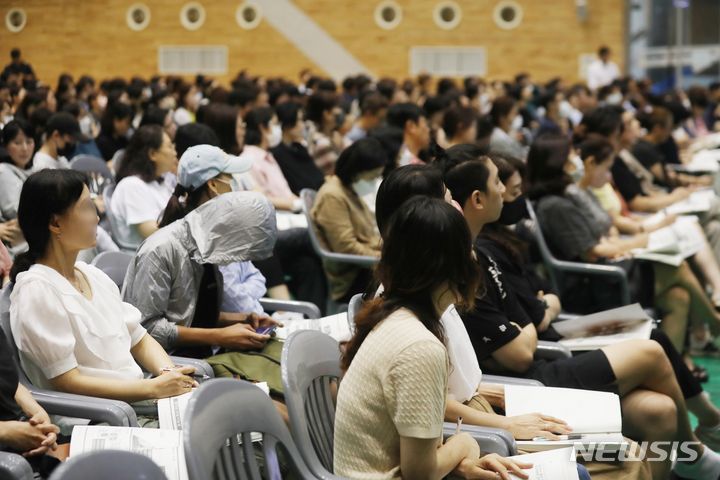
(163, 280)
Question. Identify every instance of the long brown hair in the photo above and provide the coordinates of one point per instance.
(428, 245)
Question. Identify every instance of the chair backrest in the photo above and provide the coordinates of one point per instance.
(5, 325)
(220, 413)
(96, 169)
(307, 196)
(547, 256)
(115, 265)
(110, 465)
(353, 309)
(310, 366)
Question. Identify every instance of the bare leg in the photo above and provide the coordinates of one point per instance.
(279, 292)
(675, 303)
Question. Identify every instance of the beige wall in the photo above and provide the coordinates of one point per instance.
(91, 36)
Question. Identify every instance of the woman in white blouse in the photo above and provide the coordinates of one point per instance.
(70, 325)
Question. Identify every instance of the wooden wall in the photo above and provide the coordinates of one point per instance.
(91, 36)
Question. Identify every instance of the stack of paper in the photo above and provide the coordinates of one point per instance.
(705, 161)
(608, 327)
(163, 446)
(673, 244)
(559, 464)
(594, 417)
(287, 220)
(335, 325)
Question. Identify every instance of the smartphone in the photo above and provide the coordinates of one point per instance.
(266, 330)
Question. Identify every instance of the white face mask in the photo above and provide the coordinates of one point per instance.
(579, 172)
(517, 123)
(365, 187)
(615, 98)
(275, 136)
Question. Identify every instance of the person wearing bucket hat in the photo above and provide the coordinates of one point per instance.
(62, 132)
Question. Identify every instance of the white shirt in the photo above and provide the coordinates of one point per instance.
(600, 74)
(42, 161)
(135, 201)
(57, 329)
(465, 374)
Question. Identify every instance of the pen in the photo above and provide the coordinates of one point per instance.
(203, 376)
(459, 424)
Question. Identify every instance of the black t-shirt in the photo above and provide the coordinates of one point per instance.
(9, 409)
(298, 167)
(109, 145)
(626, 182)
(488, 323)
(670, 151)
(647, 154)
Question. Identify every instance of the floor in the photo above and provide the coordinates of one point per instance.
(712, 387)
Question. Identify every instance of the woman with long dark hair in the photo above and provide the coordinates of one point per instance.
(391, 401)
(17, 138)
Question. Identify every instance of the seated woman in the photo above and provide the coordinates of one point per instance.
(115, 125)
(390, 404)
(25, 427)
(17, 138)
(344, 221)
(504, 338)
(577, 227)
(467, 396)
(72, 330)
(141, 192)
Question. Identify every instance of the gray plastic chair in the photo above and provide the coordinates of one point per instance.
(113, 412)
(310, 310)
(221, 412)
(115, 265)
(558, 268)
(14, 467)
(545, 350)
(95, 168)
(308, 200)
(310, 368)
(109, 465)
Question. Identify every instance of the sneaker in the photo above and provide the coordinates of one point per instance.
(709, 436)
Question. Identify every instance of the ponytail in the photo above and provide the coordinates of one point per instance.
(22, 263)
(183, 201)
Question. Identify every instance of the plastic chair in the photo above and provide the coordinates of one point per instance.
(310, 310)
(96, 169)
(308, 200)
(558, 268)
(114, 265)
(110, 465)
(107, 198)
(310, 367)
(220, 413)
(546, 350)
(14, 467)
(113, 412)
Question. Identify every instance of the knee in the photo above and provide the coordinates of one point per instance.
(675, 298)
(659, 418)
(654, 355)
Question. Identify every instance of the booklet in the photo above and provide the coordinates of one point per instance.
(164, 447)
(601, 329)
(558, 464)
(697, 202)
(334, 325)
(672, 244)
(704, 161)
(288, 220)
(594, 417)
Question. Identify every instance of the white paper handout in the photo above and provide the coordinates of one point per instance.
(698, 201)
(288, 220)
(558, 464)
(594, 417)
(702, 162)
(672, 244)
(334, 325)
(163, 446)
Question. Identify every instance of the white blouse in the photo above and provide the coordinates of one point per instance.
(57, 329)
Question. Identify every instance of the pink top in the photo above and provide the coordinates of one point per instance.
(266, 173)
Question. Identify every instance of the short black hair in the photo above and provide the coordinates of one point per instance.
(364, 155)
(287, 114)
(401, 113)
(192, 134)
(15, 53)
(604, 50)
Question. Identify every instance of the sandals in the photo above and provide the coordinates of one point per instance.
(700, 374)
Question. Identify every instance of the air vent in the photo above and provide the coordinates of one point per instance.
(448, 61)
(210, 59)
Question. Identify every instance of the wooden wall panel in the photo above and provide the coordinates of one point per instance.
(91, 36)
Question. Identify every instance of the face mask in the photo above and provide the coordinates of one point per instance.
(513, 212)
(517, 123)
(102, 101)
(275, 136)
(579, 172)
(198, 98)
(614, 98)
(67, 150)
(339, 119)
(364, 187)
